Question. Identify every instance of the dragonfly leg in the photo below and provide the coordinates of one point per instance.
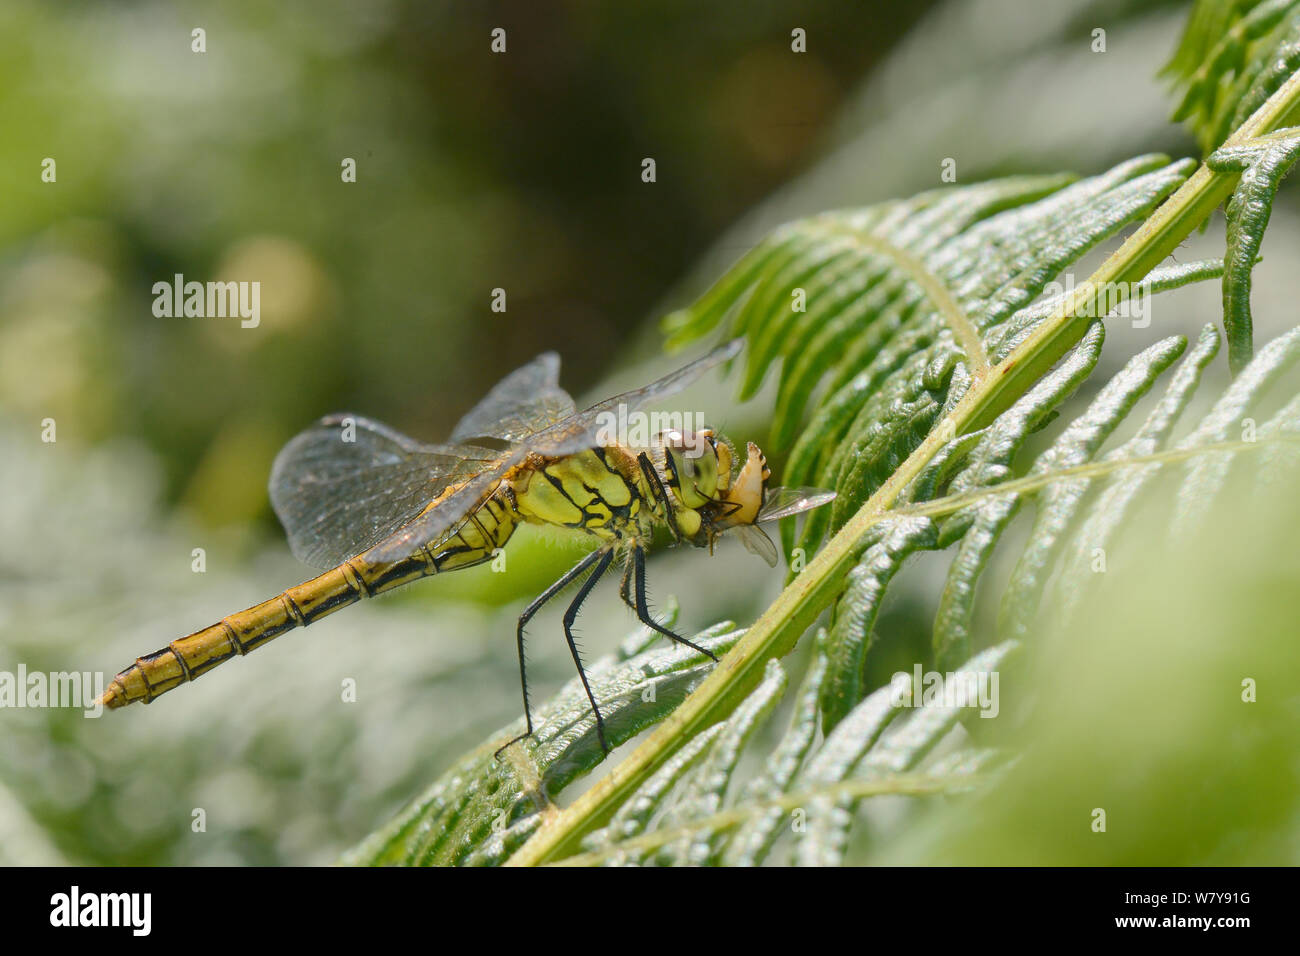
(571, 615)
(625, 585)
(536, 605)
(643, 610)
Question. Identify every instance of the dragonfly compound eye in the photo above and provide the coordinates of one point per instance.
(692, 459)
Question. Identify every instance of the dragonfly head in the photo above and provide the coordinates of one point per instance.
(712, 496)
(710, 499)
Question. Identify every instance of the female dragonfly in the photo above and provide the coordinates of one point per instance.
(379, 510)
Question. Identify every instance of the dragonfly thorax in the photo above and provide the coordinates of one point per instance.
(686, 481)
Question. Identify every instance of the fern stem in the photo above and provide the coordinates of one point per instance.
(1029, 484)
(775, 633)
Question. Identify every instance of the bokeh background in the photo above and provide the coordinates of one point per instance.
(475, 171)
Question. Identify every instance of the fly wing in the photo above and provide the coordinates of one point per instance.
(783, 502)
(583, 430)
(349, 482)
(526, 401)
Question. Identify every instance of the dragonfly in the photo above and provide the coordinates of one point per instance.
(379, 510)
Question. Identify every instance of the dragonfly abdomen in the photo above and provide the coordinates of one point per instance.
(188, 658)
(192, 656)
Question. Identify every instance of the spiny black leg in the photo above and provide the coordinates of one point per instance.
(571, 615)
(524, 618)
(643, 610)
(624, 586)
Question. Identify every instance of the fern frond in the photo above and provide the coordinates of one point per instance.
(752, 841)
(877, 750)
(1262, 162)
(1069, 526)
(1231, 59)
(703, 794)
(482, 809)
(909, 300)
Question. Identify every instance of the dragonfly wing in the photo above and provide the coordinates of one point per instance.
(757, 542)
(527, 400)
(433, 524)
(338, 498)
(349, 482)
(783, 502)
(585, 429)
(529, 396)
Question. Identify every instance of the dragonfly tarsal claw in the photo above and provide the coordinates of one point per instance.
(508, 744)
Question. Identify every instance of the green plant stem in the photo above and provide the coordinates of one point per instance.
(994, 389)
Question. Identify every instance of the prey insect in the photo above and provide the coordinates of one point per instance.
(379, 510)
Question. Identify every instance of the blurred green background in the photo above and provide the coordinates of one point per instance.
(475, 171)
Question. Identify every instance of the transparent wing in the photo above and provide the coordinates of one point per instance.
(526, 401)
(757, 542)
(528, 395)
(348, 482)
(581, 430)
(779, 503)
(782, 502)
(434, 524)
